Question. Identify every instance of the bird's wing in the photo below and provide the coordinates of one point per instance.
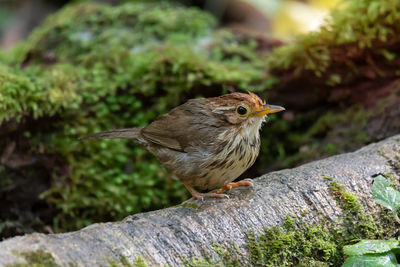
(164, 133)
(181, 128)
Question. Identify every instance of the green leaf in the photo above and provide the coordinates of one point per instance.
(384, 194)
(371, 246)
(387, 260)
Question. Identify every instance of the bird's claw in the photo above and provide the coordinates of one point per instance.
(227, 187)
(202, 196)
(249, 181)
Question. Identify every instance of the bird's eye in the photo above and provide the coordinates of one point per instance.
(241, 110)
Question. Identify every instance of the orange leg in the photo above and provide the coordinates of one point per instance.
(227, 187)
(201, 196)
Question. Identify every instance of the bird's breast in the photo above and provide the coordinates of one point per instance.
(234, 156)
(216, 164)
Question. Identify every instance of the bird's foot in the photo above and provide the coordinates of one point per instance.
(197, 195)
(227, 187)
(202, 196)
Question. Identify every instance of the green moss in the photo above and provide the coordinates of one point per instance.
(356, 224)
(139, 262)
(228, 256)
(393, 177)
(123, 262)
(294, 244)
(37, 258)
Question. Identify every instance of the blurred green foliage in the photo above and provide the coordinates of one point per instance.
(356, 27)
(360, 22)
(5, 14)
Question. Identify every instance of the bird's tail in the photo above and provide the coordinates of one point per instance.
(128, 133)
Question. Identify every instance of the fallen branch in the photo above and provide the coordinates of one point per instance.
(169, 236)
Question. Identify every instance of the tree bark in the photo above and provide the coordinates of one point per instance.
(167, 236)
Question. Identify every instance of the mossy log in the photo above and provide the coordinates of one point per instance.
(186, 232)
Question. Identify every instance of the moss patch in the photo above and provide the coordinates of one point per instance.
(294, 245)
(297, 243)
(123, 262)
(227, 257)
(356, 224)
(37, 258)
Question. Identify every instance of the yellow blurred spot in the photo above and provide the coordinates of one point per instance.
(290, 17)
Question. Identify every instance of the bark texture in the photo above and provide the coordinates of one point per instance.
(165, 236)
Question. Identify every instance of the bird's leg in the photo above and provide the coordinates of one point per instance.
(198, 195)
(227, 187)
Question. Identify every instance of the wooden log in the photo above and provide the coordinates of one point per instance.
(170, 235)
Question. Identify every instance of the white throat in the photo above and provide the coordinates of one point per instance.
(251, 128)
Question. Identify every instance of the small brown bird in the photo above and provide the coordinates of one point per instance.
(205, 142)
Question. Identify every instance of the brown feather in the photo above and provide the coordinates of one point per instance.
(128, 133)
(184, 128)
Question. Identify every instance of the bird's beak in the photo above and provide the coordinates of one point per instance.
(268, 109)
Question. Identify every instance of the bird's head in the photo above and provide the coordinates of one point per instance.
(243, 109)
